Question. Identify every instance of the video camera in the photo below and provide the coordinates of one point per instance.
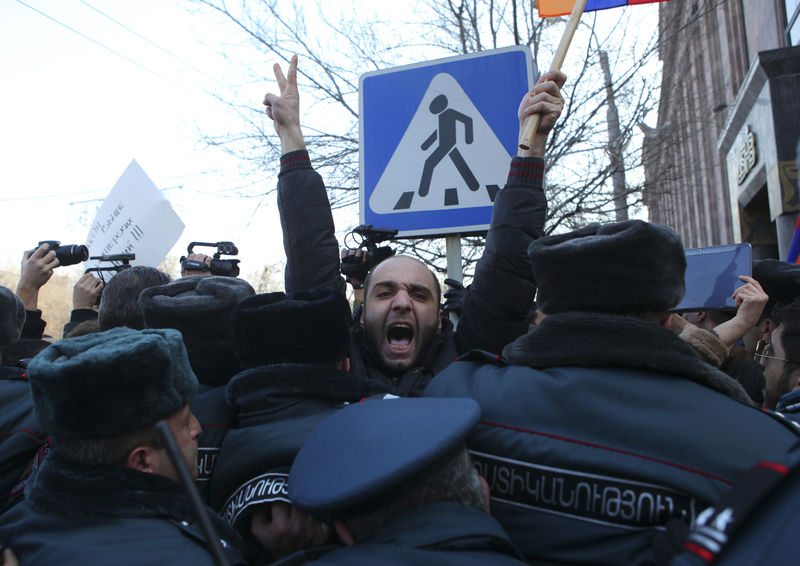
(66, 255)
(226, 267)
(366, 237)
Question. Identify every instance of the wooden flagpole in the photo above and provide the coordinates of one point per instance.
(558, 59)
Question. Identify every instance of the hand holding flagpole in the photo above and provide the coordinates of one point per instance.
(558, 59)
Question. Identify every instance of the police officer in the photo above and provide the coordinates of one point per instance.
(201, 307)
(20, 437)
(295, 348)
(395, 480)
(602, 425)
(108, 493)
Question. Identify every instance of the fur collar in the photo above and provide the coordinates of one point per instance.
(72, 490)
(599, 340)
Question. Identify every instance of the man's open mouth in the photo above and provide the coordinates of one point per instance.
(400, 337)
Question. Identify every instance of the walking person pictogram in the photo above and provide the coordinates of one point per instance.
(446, 133)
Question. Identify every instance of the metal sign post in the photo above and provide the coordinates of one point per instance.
(454, 266)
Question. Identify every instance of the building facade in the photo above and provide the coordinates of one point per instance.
(721, 165)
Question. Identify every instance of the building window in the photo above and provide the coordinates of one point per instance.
(792, 22)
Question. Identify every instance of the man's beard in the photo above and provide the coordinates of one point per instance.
(783, 386)
(376, 336)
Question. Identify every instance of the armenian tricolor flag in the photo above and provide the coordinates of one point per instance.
(794, 248)
(550, 8)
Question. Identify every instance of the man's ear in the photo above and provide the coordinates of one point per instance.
(768, 325)
(441, 315)
(666, 322)
(486, 493)
(141, 459)
(344, 365)
(344, 533)
(361, 317)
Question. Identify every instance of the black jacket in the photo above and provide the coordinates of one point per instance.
(497, 307)
(597, 429)
(82, 514)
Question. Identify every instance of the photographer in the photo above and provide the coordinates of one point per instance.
(401, 338)
(85, 295)
(35, 270)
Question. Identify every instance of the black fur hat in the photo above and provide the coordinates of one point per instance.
(307, 326)
(110, 382)
(200, 307)
(780, 281)
(624, 267)
(12, 316)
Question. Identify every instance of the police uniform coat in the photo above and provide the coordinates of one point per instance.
(20, 437)
(213, 368)
(276, 407)
(439, 534)
(596, 429)
(76, 514)
(489, 320)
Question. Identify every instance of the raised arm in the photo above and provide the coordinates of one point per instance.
(312, 252)
(497, 307)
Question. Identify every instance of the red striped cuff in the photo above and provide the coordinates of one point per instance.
(295, 160)
(526, 171)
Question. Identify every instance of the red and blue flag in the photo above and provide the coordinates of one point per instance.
(794, 248)
(550, 8)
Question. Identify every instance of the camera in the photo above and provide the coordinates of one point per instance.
(225, 267)
(67, 255)
(367, 237)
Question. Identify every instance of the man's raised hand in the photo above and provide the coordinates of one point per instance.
(545, 99)
(284, 108)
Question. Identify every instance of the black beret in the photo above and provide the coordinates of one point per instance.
(200, 307)
(361, 454)
(110, 382)
(306, 326)
(780, 281)
(12, 316)
(622, 267)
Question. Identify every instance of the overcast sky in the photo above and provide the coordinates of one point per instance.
(74, 111)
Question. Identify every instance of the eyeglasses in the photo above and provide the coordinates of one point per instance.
(764, 350)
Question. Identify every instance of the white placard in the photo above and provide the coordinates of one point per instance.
(134, 218)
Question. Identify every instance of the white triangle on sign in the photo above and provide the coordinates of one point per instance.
(463, 174)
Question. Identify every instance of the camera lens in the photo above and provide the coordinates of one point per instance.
(72, 254)
(225, 267)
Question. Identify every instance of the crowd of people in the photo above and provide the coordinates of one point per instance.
(571, 417)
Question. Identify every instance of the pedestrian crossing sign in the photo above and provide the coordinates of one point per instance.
(437, 140)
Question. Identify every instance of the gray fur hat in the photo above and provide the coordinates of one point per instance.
(111, 382)
(12, 316)
(200, 307)
(623, 267)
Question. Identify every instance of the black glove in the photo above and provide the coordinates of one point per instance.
(455, 297)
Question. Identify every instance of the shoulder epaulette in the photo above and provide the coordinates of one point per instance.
(714, 527)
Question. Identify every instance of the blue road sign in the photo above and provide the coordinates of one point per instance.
(437, 140)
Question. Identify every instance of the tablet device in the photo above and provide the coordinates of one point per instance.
(712, 275)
